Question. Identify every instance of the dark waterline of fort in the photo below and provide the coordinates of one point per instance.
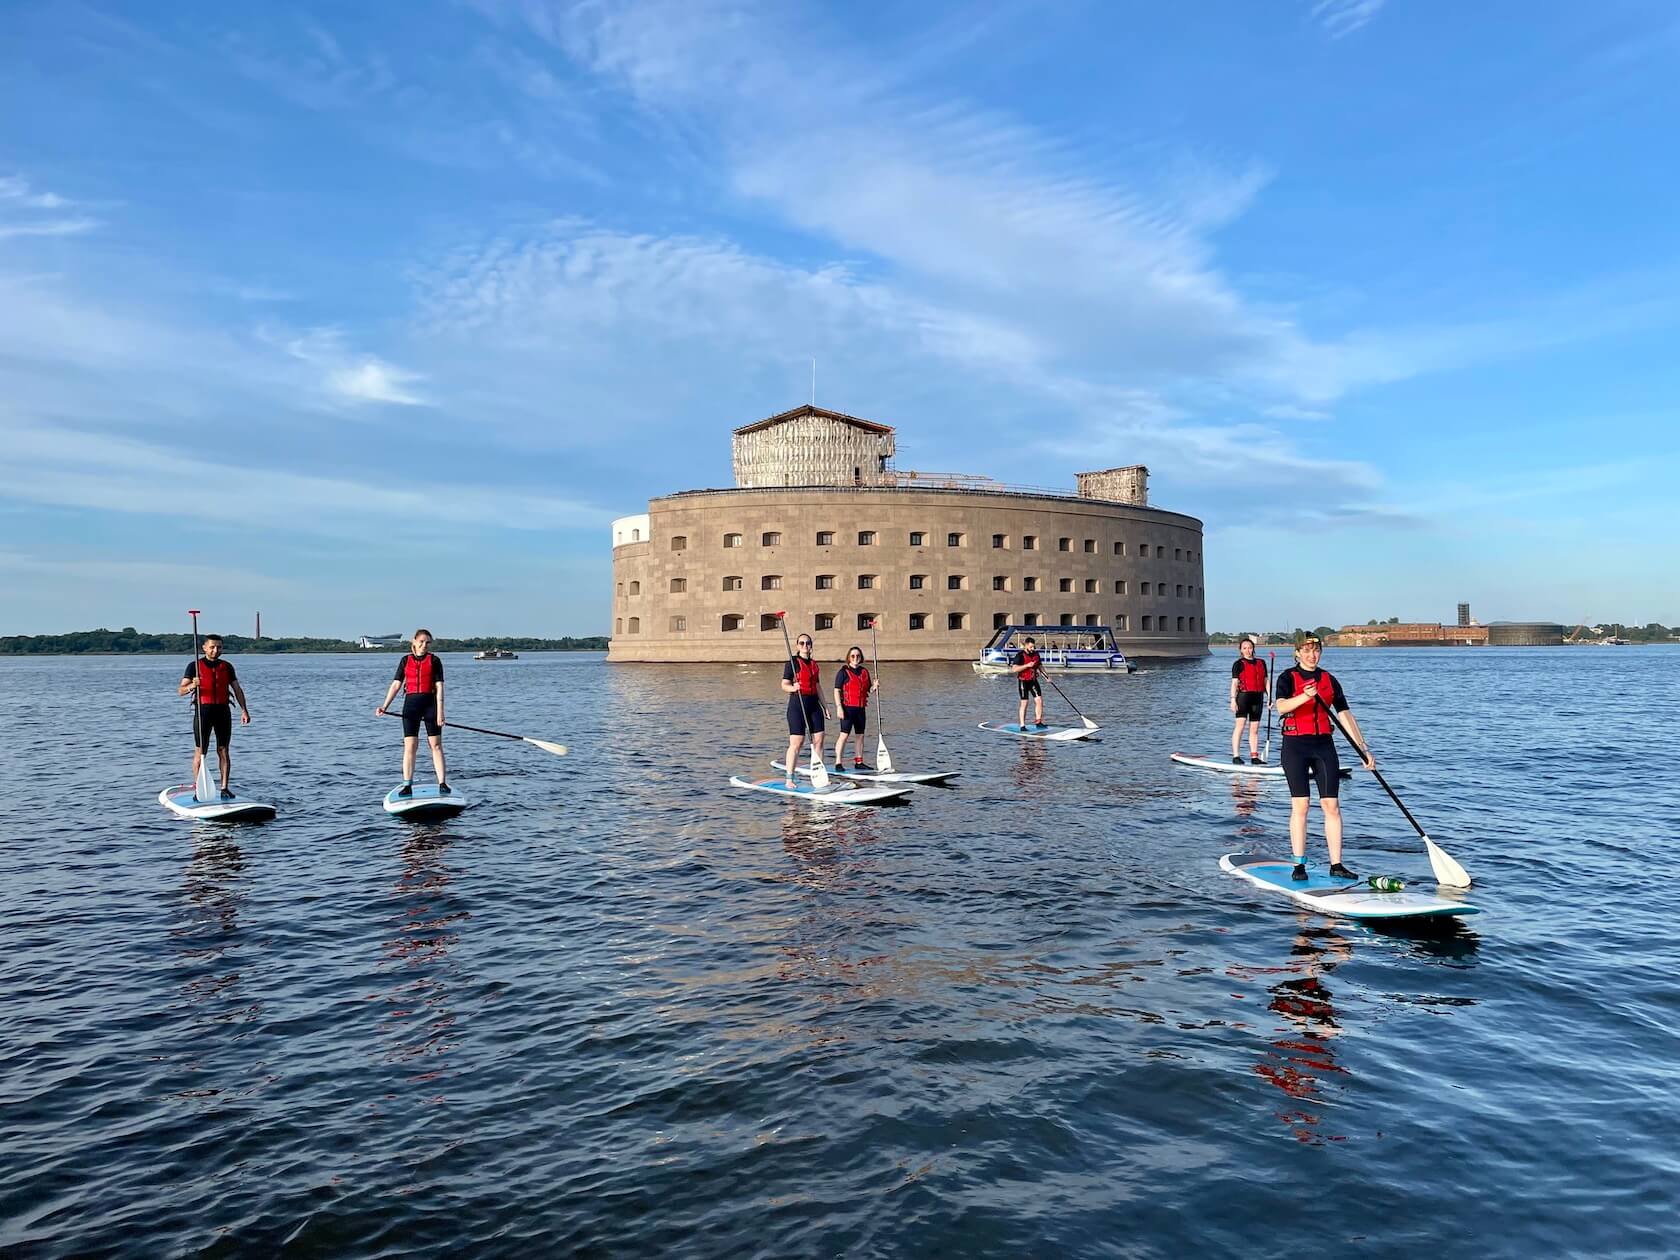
(617, 1009)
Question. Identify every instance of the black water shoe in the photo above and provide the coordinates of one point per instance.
(1341, 872)
(1299, 874)
(1236, 761)
(407, 789)
(443, 789)
(227, 795)
(1256, 761)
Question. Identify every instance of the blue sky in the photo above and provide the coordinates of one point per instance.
(371, 315)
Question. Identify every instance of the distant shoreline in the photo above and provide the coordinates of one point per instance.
(131, 642)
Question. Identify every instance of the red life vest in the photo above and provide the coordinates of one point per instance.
(1253, 676)
(1029, 658)
(854, 691)
(213, 679)
(418, 674)
(808, 676)
(1311, 719)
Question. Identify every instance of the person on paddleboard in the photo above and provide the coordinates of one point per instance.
(1309, 751)
(1026, 673)
(1248, 701)
(852, 687)
(802, 680)
(214, 680)
(420, 675)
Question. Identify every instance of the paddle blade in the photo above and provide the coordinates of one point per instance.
(205, 789)
(1089, 725)
(883, 758)
(1447, 870)
(559, 750)
(819, 772)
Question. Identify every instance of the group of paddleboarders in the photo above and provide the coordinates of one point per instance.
(210, 680)
(806, 713)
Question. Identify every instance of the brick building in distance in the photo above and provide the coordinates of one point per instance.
(821, 525)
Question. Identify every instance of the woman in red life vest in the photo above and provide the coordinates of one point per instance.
(1248, 701)
(214, 681)
(802, 680)
(852, 687)
(1026, 674)
(1309, 751)
(420, 675)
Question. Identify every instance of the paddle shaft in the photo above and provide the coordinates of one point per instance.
(1365, 752)
(804, 714)
(462, 726)
(880, 708)
(1070, 704)
(198, 691)
(1271, 684)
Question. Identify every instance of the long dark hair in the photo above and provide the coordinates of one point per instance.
(859, 651)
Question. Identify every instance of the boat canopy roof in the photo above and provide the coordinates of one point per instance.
(1059, 635)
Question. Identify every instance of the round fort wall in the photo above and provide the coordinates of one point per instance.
(939, 568)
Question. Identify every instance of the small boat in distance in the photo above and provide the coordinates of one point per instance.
(1082, 648)
(496, 654)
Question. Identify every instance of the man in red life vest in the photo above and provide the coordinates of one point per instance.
(1248, 701)
(802, 680)
(1309, 751)
(420, 675)
(1026, 674)
(852, 687)
(214, 681)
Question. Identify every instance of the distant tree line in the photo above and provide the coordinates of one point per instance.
(1270, 636)
(130, 640)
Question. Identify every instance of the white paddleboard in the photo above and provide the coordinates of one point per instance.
(1033, 732)
(181, 800)
(1352, 899)
(837, 794)
(425, 804)
(878, 776)
(1227, 766)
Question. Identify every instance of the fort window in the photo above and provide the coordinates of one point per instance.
(768, 621)
(1065, 585)
(954, 582)
(1120, 586)
(866, 581)
(865, 620)
(1029, 584)
(1000, 541)
(1090, 586)
(1143, 588)
(635, 588)
(825, 538)
(679, 542)
(1120, 621)
(1146, 621)
(1063, 544)
(825, 581)
(1000, 584)
(635, 535)
(1181, 623)
(679, 586)
(770, 582)
(825, 621)
(1029, 542)
(679, 625)
(1119, 548)
(635, 625)
(1090, 619)
(953, 621)
(771, 539)
(918, 621)
(621, 590)
(1178, 553)
(999, 620)
(731, 583)
(953, 540)
(866, 538)
(1143, 550)
(1090, 546)
(918, 581)
(732, 540)
(1067, 619)
(918, 538)
(1031, 619)
(1179, 590)
(618, 625)
(730, 621)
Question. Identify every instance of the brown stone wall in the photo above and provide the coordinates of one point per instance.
(644, 573)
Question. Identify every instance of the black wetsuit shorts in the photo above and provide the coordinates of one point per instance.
(1251, 705)
(852, 719)
(217, 718)
(1030, 687)
(812, 715)
(1308, 758)
(418, 707)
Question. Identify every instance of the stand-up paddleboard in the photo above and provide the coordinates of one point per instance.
(425, 805)
(181, 799)
(1353, 899)
(842, 794)
(879, 776)
(1032, 732)
(1227, 766)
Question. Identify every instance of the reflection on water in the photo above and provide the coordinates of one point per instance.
(1301, 1061)
(207, 936)
(418, 1023)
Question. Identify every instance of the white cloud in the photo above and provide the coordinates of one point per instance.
(21, 212)
(348, 375)
(1344, 17)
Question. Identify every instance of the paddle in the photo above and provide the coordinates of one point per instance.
(883, 758)
(1447, 871)
(559, 750)
(1089, 725)
(819, 772)
(1271, 682)
(204, 786)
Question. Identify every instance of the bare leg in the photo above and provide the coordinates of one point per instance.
(795, 742)
(1253, 739)
(1038, 708)
(224, 755)
(840, 749)
(1236, 735)
(1332, 827)
(1298, 826)
(817, 745)
(436, 742)
(410, 743)
(198, 760)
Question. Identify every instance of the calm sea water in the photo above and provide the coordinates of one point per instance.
(619, 1009)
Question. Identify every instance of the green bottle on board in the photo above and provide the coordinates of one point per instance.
(1386, 883)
